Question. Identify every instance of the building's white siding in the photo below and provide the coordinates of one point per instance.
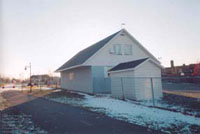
(129, 88)
(104, 58)
(143, 88)
(116, 88)
(137, 84)
(82, 80)
(122, 85)
(123, 74)
(143, 77)
(148, 69)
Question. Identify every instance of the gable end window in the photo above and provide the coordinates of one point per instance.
(128, 50)
(117, 49)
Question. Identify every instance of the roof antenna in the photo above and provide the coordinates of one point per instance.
(122, 25)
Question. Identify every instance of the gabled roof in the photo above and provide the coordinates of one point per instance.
(128, 65)
(85, 54)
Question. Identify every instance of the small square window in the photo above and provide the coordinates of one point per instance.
(128, 49)
(117, 49)
(71, 76)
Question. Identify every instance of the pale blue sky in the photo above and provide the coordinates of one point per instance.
(49, 32)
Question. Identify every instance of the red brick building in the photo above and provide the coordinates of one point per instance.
(184, 70)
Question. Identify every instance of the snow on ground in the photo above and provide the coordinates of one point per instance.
(172, 107)
(57, 90)
(19, 88)
(138, 114)
(7, 89)
(154, 118)
(19, 124)
(46, 88)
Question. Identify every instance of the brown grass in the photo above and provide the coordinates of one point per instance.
(66, 93)
(9, 98)
(191, 94)
(3, 103)
(37, 92)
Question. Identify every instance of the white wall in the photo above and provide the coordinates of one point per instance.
(116, 88)
(104, 58)
(143, 81)
(148, 69)
(122, 84)
(123, 88)
(137, 83)
(143, 88)
(82, 80)
(122, 74)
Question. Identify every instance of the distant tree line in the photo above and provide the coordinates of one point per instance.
(6, 80)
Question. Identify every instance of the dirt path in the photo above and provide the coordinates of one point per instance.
(10, 97)
(3, 103)
(13, 97)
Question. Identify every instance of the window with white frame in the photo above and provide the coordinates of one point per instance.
(128, 49)
(117, 49)
(71, 76)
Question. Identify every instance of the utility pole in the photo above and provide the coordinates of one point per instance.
(30, 75)
(30, 78)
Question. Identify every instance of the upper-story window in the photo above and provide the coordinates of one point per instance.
(116, 49)
(128, 49)
(119, 49)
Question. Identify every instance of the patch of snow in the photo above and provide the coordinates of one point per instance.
(57, 90)
(154, 118)
(46, 88)
(131, 111)
(7, 89)
(171, 107)
(19, 124)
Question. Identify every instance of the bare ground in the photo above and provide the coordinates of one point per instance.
(3, 103)
(186, 93)
(12, 97)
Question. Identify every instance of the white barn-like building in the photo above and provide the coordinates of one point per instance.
(136, 80)
(88, 70)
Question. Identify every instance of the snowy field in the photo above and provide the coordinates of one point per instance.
(158, 119)
(10, 87)
(19, 88)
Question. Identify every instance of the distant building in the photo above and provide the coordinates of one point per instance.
(45, 79)
(184, 70)
(40, 78)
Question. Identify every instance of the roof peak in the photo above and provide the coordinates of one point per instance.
(86, 53)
